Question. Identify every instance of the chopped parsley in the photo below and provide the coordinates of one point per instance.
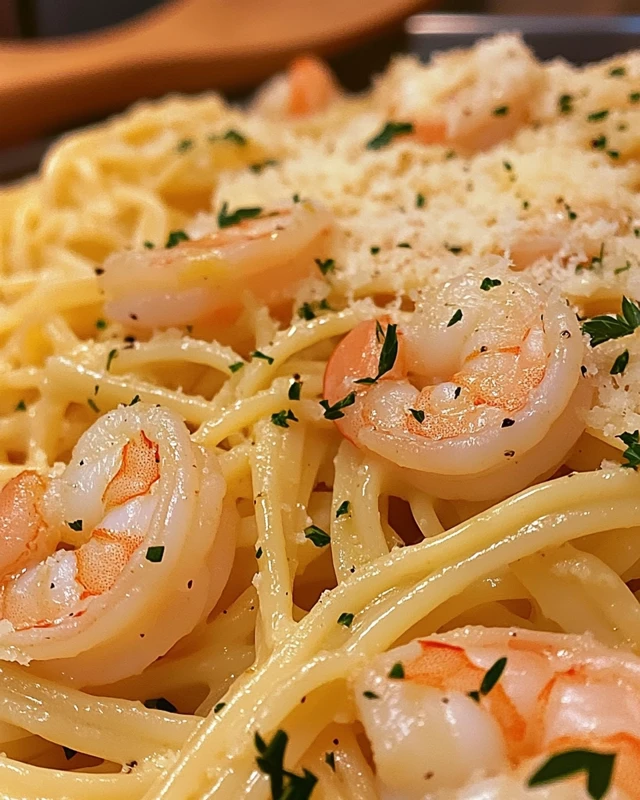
(500, 111)
(76, 525)
(330, 759)
(112, 354)
(417, 414)
(491, 677)
(226, 220)
(419, 200)
(285, 785)
(308, 310)
(263, 356)
(160, 704)
(92, 405)
(632, 453)
(457, 316)
(404, 244)
(617, 72)
(507, 165)
(613, 154)
(388, 354)
(598, 116)
(525, 204)
(155, 553)
(258, 168)
(370, 695)
(626, 267)
(294, 390)
(634, 97)
(328, 265)
(135, 399)
(345, 619)
(148, 245)
(101, 324)
(374, 250)
(69, 752)
(397, 671)
(21, 406)
(335, 411)
(184, 145)
(565, 103)
(389, 133)
(235, 367)
(218, 707)
(259, 553)
(600, 142)
(233, 136)
(603, 328)
(175, 237)
(343, 508)
(282, 418)
(316, 535)
(452, 248)
(489, 283)
(620, 364)
(597, 766)
(296, 198)
(570, 212)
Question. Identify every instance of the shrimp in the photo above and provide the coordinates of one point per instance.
(308, 87)
(268, 255)
(469, 100)
(486, 393)
(433, 728)
(105, 566)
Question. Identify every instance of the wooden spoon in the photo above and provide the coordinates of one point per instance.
(185, 45)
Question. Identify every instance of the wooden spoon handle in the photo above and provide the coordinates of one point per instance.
(186, 45)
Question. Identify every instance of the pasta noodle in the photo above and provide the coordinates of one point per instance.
(353, 533)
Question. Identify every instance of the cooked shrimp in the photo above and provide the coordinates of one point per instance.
(307, 87)
(469, 100)
(106, 566)
(268, 256)
(485, 395)
(556, 692)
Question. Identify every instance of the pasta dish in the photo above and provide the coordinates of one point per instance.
(319, 442)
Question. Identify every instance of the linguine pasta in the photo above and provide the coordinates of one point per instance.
(339, 556)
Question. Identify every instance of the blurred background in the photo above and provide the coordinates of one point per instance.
(66, 63)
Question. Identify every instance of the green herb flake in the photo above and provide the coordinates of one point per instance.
(603, 328)
(258, 168)
(233, 136)
(284, 785)
(570, 212)
(397, 671)
(388, 133)
(92, 405)
(404, 244)
(634, 97)
(148, 245)
(500, 111)
(328, 265)
(388, 354)
(21, 406)
(417, 414)
(282, 418)
(620, 364)
(617, 72)
(316, 535)
(565, 103)
(420, 200)
(598, 116)
(614, 154)
(259, 553)
(597, 766)
(101, 324)
(626, 267)
(155, 553)
(236, 366)
(632, 453)
(452, 248)
(345, 619)
(69, 752)
(227, 220)
(112, 354)
(489, 283)
(218, 707)
(184, 145)
(160, 704)
(294, 390)
(134, 400)
(457, 316)
(525, 204)
(330, 759)
(76, 525)
(599, 143)
(374, 250)
(507, 165)
(334, 411)
(343, 508)
(175, 237)
(370, 695)
(296, 198)
(263, 356)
